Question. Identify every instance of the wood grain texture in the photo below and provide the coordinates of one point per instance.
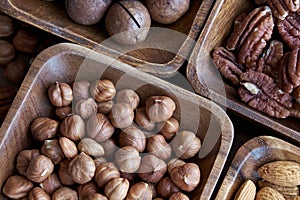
(252, 155)
(52, 17)
(206, 79)
(63, 62)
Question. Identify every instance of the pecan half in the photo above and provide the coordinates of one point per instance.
(227, 65)
(289, 29)
(279, 8)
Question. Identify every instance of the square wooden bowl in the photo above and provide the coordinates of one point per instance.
(62, 62)
(206, 79)
(51, 16)
(253, 154)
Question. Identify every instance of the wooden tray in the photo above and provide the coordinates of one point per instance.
(250, 157)
(207, 81)
(52, 17)
(61, 63)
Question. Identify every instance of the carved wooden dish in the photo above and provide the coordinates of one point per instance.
(250, 157)
(207, 81)
(63, 61)
(51, 16)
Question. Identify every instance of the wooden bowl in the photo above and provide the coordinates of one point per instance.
(52, 17)
(206, 79)
(62, 62)
(250, 157)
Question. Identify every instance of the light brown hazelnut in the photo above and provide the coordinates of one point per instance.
(15, 70)
(160, 108)
(50, 184)
(110, 149)
(64, 193)
(179, 196)
(99, 128)
(73, 127)
(152, 169)
(24, 158)
(38, 194)
(7, 52)
(175, 162)
(143, 120)
(186, 177)
(132, 136)
(117, 188)
(17, 187)
(100, 160)
(43, 128)
(121, 115)
(128, 159)
(87, 189)
(63, 173)
(60, 94)
(68, 147)
(128, 96)
(90, 147)
(166, 187)
(158, 146)
(102, 90)
(81, 90)
(138, 191)
(39, 169)
(131, 177)
(25, 41)
(153, 190)
(106, 172)
(168, 128)
(63, 112)
(96, 196)
(186, 144)
(86, 107)
(82, 168)
(51, 149)
(105, 107)
(6, 26)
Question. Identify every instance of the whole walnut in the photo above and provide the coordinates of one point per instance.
(179, 196)
(81, 90)
(43, 128)
(51, 184)
(166, 187)
(117, 189)
(63, 173)
(39, 169)
(6, 26)
(160, 108)
(7, 52)
(143, 120)
(102, 90)
(60, 94)
(64, 193)
(17, 187)
(158, 146)
(15, 70)
(38, 193)
(106, 172)
(168, 128)
(73, 127)
(167, 11)
(24, 158)
(138, 191)
(132, 136)
(128, 96)
(86, 107)
(25, 41)
(52, 150)
(128, 159)
(121, 115)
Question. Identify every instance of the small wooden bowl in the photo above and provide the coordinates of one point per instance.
(52, 17)
(250, 157)
(62, 62)
(206, 79)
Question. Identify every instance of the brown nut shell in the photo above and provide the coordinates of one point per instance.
(51, 149)
(39, 169)
(106, 172)
(158, 146)
(179, 196)
(7, 52)
(68, 147)
(160, 108)
(63, 112)
(143, 120)
(51, 184)
(60, 94)
(132, 136)
(168, 128)
(38, 194)
(110, 149)
(128, 96)
(90, 147)
(6, 26)
(43, 128)
(117, 189)
(87, 189)
(63, 173)
(86, 107)
(81, 90)
(102, 90)
(105, 107)
(64, 193)
(139, 191)
(73, 127)
(128, 159)
(96, 196)
(121, 115)
(166, 187)
(17, 187)
(24, 158)
(15, 70)
(25, 41)
(174, 162)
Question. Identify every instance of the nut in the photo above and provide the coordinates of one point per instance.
(186, 177)
(6, 26)
(179, 196)
(166, 187)
(24, 159)
(63, 112)
(7, 94)
(68, 147)
(63, 173)
(158, 146)
(268, 193)
(51, 149)
(131, 177)
(40, 167)
(87, 189)
(81, 90)
(99, 161)
(121, 115)
(132, 136)
(86, 107)
(105, 107)
(60, 94)
(64, 193)
(153, 190)
(169, 128)
(246, 191)
(96, 196)
(82, 168)
(73, 127)
(128, 159)
(160, 108)
(51, 184)
(143, 120)
(90, 147)
(106, 172)
(138, 191)
(17, 187)
(15, 70)
(128, 96)
(43, 128)
(110, 149)
(117, 189)
(175, 162)
(38, 194)
(186, 144)
(102, 90)
(285, 191)
(25, 41)
(7, 52)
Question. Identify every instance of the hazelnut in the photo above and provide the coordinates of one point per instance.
(100, 160)
(96, 196)
(82, 168)
(99, 128)
(131, 177)
(38, 194)
(168, 128)
(128, 96)
(105, 107)
(179, 196)
(158, 146)
(110, 149)
(6, 26)
(51, 149)
(117, 188)
(128, 21)
(17, 187)
(86, 107)
(63, 112)
(128, 159)
(68, 147)
(121, 115)
(60, 94)
(175, 162)
(186, 177)
(102, 90)
(152, 169)
(63, 173)
(132, 136)
(81, 90)
(7, 52)
(138, 191)
(73, 127)
(106, 172)
(153, 190)
(158, 198)
(64, 193)
(25, 41)
(143, 120)
(186, 144)
(166, 187)
(90, 147)
(87, 189)
(43, 128)
(167, 11)
(24, 159)
(160, 108)
(51, 184)
(15, 70)
(39, 169)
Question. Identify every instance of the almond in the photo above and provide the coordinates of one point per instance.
(284, 190)
(268, 193)
(246, 192)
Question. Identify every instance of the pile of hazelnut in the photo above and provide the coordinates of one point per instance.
(108, 146)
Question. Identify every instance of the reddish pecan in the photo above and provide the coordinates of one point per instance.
(289, 29)
(292, 5)
(239, 19)
(279, 8)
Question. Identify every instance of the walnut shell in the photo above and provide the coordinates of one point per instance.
(38, 194)
(169, 128)
(43, 128)
(81, 90)
(7, 52)
(63, 173)
(117, 189)
(86, 107)
(128, 96)
(51, 184)
(24, 158)
(160, 108)
(64, 193)
(143, 120)
(132, 136)
(106, 172)
(73, 127)
(17, 187)
(51, 149)
(121, 115)
(158, 146)
(68, 147)
(39, 169)
(90, 147)
(102, 90)
(166, 187)
(60, 94)
(128, 159)
(138, 191)
(179, 196)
